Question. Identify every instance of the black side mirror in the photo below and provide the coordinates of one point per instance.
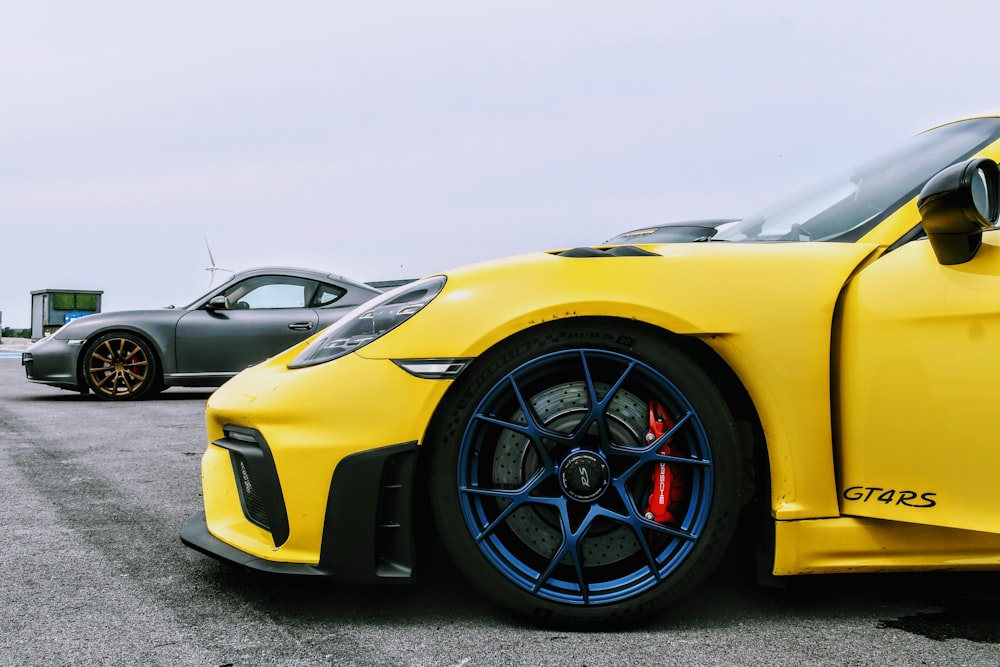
(956, 206)
(217, 303)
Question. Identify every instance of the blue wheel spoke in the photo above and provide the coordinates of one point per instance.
(649, 451)
(570, 546)
(650, 558)
(531, 429)
(596, 413)
(517, 497)
(636, 520)
(667, 530)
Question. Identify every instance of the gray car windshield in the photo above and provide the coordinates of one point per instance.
(846, 207)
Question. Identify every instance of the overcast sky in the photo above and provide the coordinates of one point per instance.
(394, 139)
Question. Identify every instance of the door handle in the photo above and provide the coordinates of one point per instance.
(300, 326)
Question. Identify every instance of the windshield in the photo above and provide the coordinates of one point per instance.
(848, 206)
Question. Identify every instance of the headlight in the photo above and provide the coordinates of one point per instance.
(370, 321)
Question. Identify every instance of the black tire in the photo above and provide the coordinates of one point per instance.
(121, 366)
(542, 474)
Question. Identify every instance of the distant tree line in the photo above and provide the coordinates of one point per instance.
(7, 332)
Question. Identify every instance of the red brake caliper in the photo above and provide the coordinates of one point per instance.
(668, 488)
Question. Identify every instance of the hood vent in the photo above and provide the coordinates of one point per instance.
(613, 251)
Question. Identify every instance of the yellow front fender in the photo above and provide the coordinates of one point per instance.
(766, 309)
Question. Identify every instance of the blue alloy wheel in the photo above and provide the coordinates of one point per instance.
(587, 479)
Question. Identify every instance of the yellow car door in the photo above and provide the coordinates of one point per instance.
(916, 376)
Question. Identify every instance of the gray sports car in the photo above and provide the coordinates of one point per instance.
(255, 314)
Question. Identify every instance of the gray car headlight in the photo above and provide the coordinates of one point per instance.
(369, 322)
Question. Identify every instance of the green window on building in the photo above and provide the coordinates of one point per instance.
(72, 301)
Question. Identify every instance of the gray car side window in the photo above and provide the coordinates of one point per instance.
(263, 292)
(327, 294)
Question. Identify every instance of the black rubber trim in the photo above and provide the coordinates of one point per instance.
(259, 460)
(195, 535)
(368, 533)
(614, 251)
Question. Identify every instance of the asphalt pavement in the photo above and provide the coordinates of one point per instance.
(95, 494)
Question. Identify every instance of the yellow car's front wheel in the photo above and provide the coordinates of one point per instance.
(585, 473)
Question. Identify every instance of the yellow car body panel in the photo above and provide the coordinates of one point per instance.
(317, 430)
(851, 544)
(919, 367)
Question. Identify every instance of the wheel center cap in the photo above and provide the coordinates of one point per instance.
(584, 476)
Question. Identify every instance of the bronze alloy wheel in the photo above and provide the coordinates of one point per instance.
(120, 366)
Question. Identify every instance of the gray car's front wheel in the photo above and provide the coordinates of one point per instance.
(120, 366)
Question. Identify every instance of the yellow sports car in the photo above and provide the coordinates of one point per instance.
(586, 427)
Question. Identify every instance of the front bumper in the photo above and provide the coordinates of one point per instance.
(315, 466)
(368, 527)
(54, 362)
